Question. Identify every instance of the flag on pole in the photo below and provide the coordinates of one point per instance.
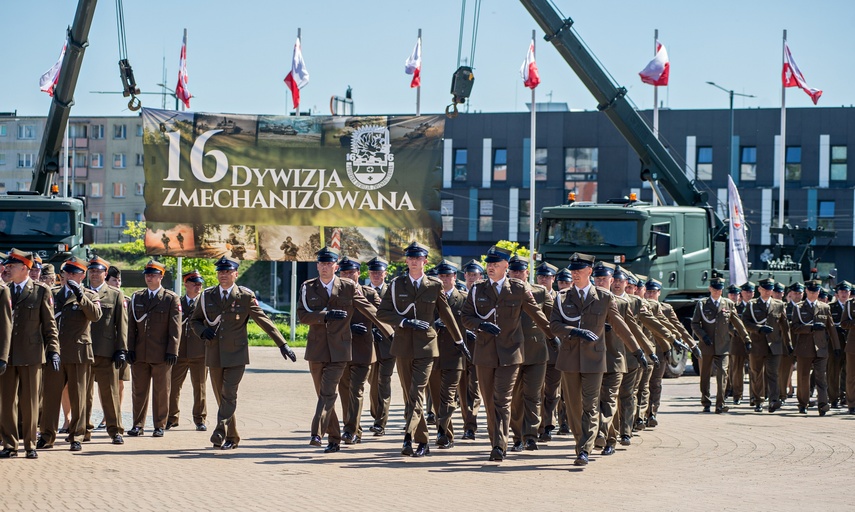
(47, 82)
(298, 77)
(528, 71)
(657, 70)
(181, 90)
(738, 245)
(413, 66)
(793, 77)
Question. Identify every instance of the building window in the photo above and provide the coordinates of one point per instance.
(525, 215)
(139, 189)
(23, 185)
(25, 160)
(500, 164)
(97, 189)
(26, 131)
(838, 163)
(118, 219)
(2, 159)
(485, 215)
(120, 131)
(79, 189)
(2, 186)
(540, 157)
(580, 164)
(118, 161)
(447, 212)
(794, 163)
(97, 131)
(748, 164)
(140, 159)
(77, 131)
(2, 130)
(703, 168)
(138, 217)
(78, 160)
(96, 160)
(118, 190)
(826, 215)
(96, 218)
(139, 130)
(460, 160)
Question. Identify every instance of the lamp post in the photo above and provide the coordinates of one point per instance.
(731, 93)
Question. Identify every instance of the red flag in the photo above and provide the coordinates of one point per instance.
(181, 90)
(413, 66)
(793, 77)
(657, 70)
(528, 71)
(298, 77)
(48, 81)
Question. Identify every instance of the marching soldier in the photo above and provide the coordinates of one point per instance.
(545, 276)
(795, 294)
(191, 358)
(27, 334)
(154, 331)
(738, 354)
(468, 392)
(837, 365)
(109, 346)
(384, 367)
(411, 305)
(711, 321)
(220, 318)
(766, 319)
(847, 321)
(813, 328)
(114, 278)
(74, 309)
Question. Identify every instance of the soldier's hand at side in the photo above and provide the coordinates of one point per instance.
(490, 328)
(119, 359)
(471, 336)
(53, 357)
(335, 314)
(419, 325)
(464, 350)
(680, 345)
(818, 326)
(171, 359)
(655, 359)
(358, 329)
(438, 324)
(287, 353)
(378, 336)
(837, 353)
(208, 334)
(75, 289)
(585, 334)
(696, 352)
(765, 329)
(2, 367)
(707, 340)
(555, 343)
(639, 356)
(608, 327)
(132, 357)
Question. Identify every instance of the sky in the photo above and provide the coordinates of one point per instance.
(239, 52)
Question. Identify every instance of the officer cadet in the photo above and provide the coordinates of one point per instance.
(738, 355)
(494, 310)
(154, 332)
(813, 327)
(33, 336)
(795, 294)
(191, 358)
(325, 303)
(48, 274)
(847, 322)
(710, 323)
(109, 346)
(778, 291)
(824, 295)
(468, 392)
(528, 389)
(545, 276)
(74, 309)
(220, 318)
(355, 374)
(448, 367)
(114, 278)
(765, 318)
(733, 293)
(410, 306)
(563, 279)
(36, 271)
(384, 367)
(837, 365)
(580, 316)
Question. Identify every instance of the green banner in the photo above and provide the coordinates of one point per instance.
(280, 187)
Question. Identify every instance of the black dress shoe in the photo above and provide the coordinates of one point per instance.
(136, 431)
(158, 432)
(758, 408)
(823, 408)
(565, 429)
(102, 425)
(852, 410)
(442, 441)
(230, 445)
(42, 444)
(639, 425)
(32, 454)
(430, 419)
(331, 448)
(63, 430)
(378, 431)
(469, 434)
(625, 440)
(774, 406)
(835, 404)
(75, 446)
(347, 437)
(652, 421)
(546, 435)
(581, 459)
(8, 453)
(737, 401)
(609, 450)
(217, 439)
(517, 446)
(357, 440)
(169, 425)
(722, 409)
(407, 448)
(802, 410)
(118, 439)
(497, 455)
(706, 408)
(200, 427)
(315, 441)
(531, 445)
(421, 450)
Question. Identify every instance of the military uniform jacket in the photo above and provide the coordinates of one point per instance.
(738, 349)
(663, 333)
(191, 346)
(847, 321)
(671, 315)
(553, 354)
(450, 357)
(362, 345)
(332, 341)
(154, 326)
(810, 343)
(505, 310)
(382, 348)
(5, 323)
(617, 348)
(110, 332)
(73, 319)
(34, 330)
(534, 348)
(715, 322)
(756, 315)
(839, 313)
(599, 308)
(649, 324)
(402, 301)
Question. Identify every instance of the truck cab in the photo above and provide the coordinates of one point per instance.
(52, 227)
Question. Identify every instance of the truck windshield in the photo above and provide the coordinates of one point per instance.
(35, 222)
(588, 232)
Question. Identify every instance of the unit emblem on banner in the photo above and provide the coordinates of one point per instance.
(370, 163)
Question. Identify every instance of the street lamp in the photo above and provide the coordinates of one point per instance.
(730, 140)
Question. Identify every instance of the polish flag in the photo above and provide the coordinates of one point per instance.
(48, 81)
(528, 71)
(657, 70)
(298, 77)
(181, 90)
(793, 77)
(413, 66)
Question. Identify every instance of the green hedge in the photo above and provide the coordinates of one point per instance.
(259, 338)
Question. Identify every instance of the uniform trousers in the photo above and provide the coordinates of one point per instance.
(656, 376)
(644, 393)
(351, 389)
(582, 395)
(151, 379)
(105, 374)
(526, 401)
(76, 375)
(497, 386)
(326, 376)
(707, 365)
(803, 373)
(764, 377)
(609, 392)
(850, 381)
(836, 368)
(443, 388)
(737, 374)
(198, 377)
(225, 382)
(26, 380)
(628, 401)
(414, 375)
(785, 377)
(470, 397)
(381, 390)
(550, 399)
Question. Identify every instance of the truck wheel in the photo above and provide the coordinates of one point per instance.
(675, 365)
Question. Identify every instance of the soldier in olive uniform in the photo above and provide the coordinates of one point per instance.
(795, 294)
(109, 346)
(738, 354)
(847, 322)
(75, 308)
(765, 319)
(384, 367)
(191, 359)
(220, 319)
(154, 331)
(468, 392)
(33, 334)
(837, 365)
(410, 306)
(551, 394)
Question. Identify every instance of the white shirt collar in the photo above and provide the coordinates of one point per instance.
(583, 292)
(154, 292)
(500, 282)
(228, 290)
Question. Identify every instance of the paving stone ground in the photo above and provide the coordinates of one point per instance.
(692, 461)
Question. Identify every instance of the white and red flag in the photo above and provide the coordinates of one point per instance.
(413, 66)
(528, 71)
(181, 90)
(298, 77)
(48, 80)
(657, 70)
(793, 77)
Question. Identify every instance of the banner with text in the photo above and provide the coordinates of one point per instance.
(280, 187)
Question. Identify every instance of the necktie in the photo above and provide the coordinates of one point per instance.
(415, 284)
(498, 289)
(715, 303)
(16, 292)
(225, 296)
(151, 295)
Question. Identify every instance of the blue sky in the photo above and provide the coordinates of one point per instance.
(239, 52)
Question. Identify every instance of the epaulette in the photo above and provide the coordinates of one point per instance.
(605, 291)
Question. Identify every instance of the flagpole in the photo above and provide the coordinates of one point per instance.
(783, 150)
(655, 104)
(294, 263)
(531, 177)
(419, 88)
